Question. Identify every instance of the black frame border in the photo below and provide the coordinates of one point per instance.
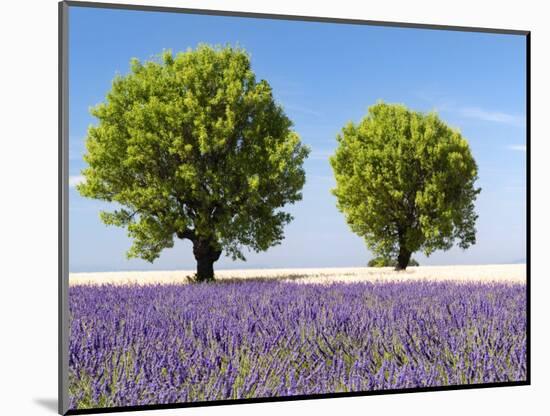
(63, 211)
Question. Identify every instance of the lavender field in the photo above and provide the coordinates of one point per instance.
(139, 345)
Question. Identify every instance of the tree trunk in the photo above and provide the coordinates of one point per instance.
(403, 258)
(206, 254)
(205, 269)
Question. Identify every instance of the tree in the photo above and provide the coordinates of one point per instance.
(405, 182)
(389, 262)
(192, 146)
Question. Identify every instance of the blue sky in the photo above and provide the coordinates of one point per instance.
(324, 75)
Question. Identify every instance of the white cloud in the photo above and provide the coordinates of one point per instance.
(75, 180)
(441, 104)
(320, 155)
(75, 155)
(494, 116)
(517, 147)
(321, 177)
(303, 110)
(76, 148)
(514, 188)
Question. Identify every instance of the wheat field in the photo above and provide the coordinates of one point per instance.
(513, 273)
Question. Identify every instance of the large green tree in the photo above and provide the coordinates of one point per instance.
(192, 146)
(405, 182)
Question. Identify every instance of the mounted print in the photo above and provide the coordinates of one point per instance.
(262, 208)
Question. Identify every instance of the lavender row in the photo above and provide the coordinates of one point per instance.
(132, 345)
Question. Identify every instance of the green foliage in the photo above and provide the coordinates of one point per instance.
(192, 145)
(405, 182)
(388, 262)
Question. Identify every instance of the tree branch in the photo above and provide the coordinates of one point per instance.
(189, 234)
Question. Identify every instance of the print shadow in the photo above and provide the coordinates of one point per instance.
(48, 404)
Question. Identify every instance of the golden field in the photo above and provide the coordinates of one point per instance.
(513, 273)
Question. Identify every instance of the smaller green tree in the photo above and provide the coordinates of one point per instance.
(405, 182)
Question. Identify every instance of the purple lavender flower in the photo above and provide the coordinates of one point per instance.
(132, 345)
